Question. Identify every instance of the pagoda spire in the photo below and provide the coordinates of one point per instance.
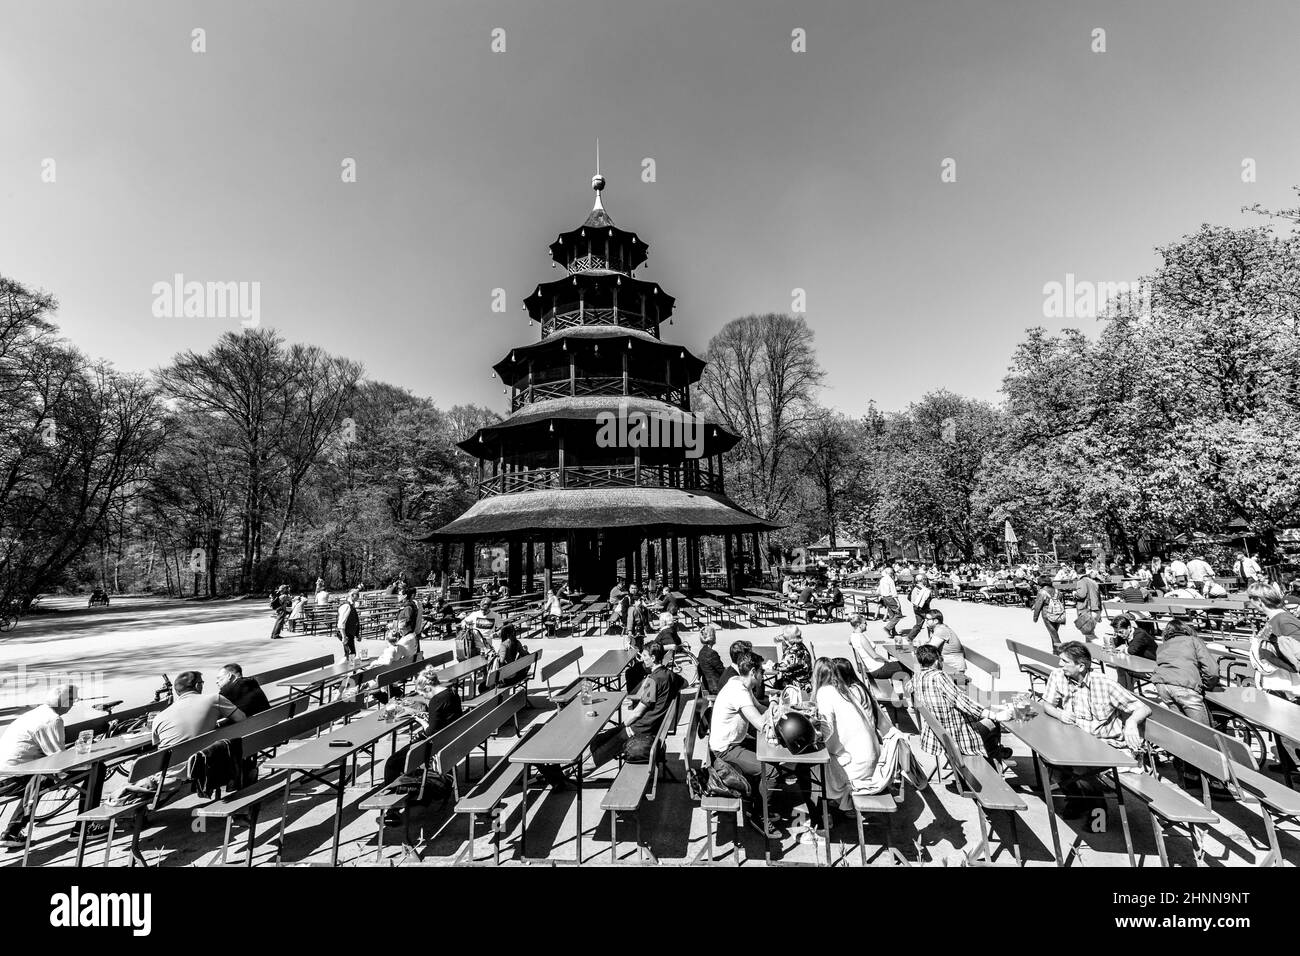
(598, 216)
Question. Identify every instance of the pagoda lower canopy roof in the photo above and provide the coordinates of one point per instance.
(657, 510)
(718, 438)
(616, 334)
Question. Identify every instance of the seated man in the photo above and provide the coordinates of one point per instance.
(944, 639)
(244, 692)
(477, 625)
(708, 662)
(1135, 641)
(795, 666)
(32, 735)
(743, 650)
(192, 712)
(972, 726)
(644, 711)
(1076, 695)
(736, 713)
(444, 707)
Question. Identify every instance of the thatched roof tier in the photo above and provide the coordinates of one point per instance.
(597, 289)
(585, 408)
(611, 338)
(657, 511)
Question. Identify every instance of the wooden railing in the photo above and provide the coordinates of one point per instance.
(599, 385)
(556, 319)
(599, 476)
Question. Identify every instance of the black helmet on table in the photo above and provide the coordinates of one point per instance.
(796, 732)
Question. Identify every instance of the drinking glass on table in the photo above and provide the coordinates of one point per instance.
(84, 740)
(365, 651)
(586, 693)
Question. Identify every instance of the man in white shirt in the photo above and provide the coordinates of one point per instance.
(1247, 568)
(478, 627)
(35, 734)
(888, 596)
(1177, 570)
(1198, 572)
(734, 712)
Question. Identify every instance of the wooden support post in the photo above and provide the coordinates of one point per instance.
(547, 583)
(677, 578)
(528, 565)
(729, 562)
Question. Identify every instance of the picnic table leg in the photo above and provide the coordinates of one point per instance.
(767, 843)
(1045, 779)
(1123, 817)
(338, 812)
(31, 819)
(826, 811)
(579, 811)
(284, 815)
(523, 816)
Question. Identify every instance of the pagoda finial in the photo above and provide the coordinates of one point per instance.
(597, 181)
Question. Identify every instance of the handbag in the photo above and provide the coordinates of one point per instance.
(638, 748)
(726, 781)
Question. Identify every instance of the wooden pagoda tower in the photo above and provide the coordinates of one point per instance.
(545, 475)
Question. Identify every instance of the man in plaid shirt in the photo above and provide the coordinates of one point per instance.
(1075, 695)
(972, 727)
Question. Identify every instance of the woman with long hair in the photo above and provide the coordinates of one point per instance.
(866, 749)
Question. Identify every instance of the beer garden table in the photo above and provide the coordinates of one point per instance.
(1068, 745)
(70, 762)
(561, 742)
(607, 668)
(315, 758)
(778, 754)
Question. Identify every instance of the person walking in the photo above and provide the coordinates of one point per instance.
(280, 603)
(888, 595)
(1049, 605)
(348, 627)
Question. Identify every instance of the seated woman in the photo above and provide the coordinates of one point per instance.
(867, 750)
(795, 667)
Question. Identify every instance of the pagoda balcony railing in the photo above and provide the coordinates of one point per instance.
(593, 263)
(611, 385)
(556, 319)
(599, 476)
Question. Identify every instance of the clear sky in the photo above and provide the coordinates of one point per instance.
(775, 169)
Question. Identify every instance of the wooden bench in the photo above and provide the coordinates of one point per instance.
(978, 781)
(247, 803)
(102, 723)
(988, 666)
(637, 781)
(710, 805)
(152, 770)
(420, 757)
(549, 670)
(518, 672)
(1033, 663)
(486, 797)
(1228, 760)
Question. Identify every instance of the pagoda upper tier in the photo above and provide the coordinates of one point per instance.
(599, 286)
